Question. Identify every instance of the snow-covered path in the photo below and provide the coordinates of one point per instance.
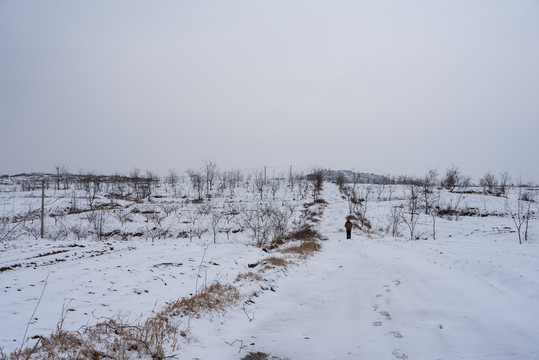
(380, 299)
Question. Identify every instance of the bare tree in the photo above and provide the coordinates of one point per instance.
(97, 220)
(195, 229)
(411, 216)
(390, 185)
(505, 178)
(488, 182)
(435, 208)
(280, 223)
(229, 214)
(317, 179)
(517, 214)
(340, 179)
(258, 221)
(427, 185)
(60, 171)
(122, 216)
(216, 218)
(210, 170)
(363, 215)
(394, 220)
(259, 182)
(275, 185)
(529, 196)
(452, 178)
(197, 181)
(172, 179)
(91, 188)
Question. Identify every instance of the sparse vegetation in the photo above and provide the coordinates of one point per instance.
(90, 206)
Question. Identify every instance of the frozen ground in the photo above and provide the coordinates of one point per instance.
(471, 294)
(462, 298)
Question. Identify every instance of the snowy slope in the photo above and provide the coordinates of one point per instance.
(381, 299)
(471, 294)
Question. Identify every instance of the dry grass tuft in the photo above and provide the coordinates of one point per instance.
(304, 249)
(112, 339)
(249, 276)
(117, 339)
(274, 261)
(215, 297)
(306, 233)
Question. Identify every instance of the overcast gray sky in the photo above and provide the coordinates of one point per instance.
(379, 86)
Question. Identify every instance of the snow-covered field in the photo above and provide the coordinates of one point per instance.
(473, 293)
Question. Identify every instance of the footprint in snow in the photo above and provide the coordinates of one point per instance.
(399, 354)
(386, 314)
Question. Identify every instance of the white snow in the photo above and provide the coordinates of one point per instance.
(471, 294)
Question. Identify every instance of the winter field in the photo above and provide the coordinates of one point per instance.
(190, 270)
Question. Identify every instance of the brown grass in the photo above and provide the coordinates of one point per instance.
(110, 339)
(215, 297)
(305, 249)
(274, 261)
(306, 233)
(117, 339)
(249, 276)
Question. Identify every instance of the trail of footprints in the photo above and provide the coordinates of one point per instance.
(385, 296)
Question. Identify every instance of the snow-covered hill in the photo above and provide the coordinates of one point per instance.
(470, 294)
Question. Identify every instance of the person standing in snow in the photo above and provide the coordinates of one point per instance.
(348, 226)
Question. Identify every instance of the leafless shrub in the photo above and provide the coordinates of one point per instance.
(258, 221)
(155, 232)
(505, 178)
(153, 216)
(81, 232)
(488, 182)
(210, 171)
(197, 181)
(122, 216)
(97, 220)
(193, 216)
(274, 187)
(317, 179)
(60, 232)
(32, 230)
(394, 220)
(216, 219)
(204, 208)
(199, 231)
(260, 182)
(230, 212)
(280, 221)
(427, 185)
(172, 179)
(522, 212)
(411, 215)
(168, 209)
